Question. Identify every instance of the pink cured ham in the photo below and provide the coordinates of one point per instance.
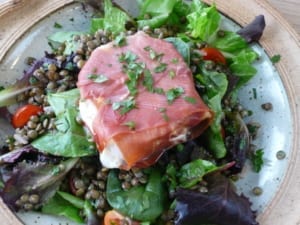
(138, 100)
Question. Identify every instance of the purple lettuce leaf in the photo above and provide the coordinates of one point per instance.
(253, 31)
(42, 178)
(220, 205)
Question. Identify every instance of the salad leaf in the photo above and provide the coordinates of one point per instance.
(257, 160)
(114, 19)
(143, 203)
(61, 101)
(42, 178)
(188, 174)
(220, 205)
(158, 10)
(253, 31)
(182, 47)
(203, 21)
(70, 139)
(65, 37)
(71, 208)
(61, 207)
(217, 85)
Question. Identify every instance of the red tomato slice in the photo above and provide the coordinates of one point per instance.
(23, 114)
(112, 217)
(213, 54)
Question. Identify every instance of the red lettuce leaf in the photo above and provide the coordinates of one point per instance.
(42, 178)
(253, 31)
(220, 205)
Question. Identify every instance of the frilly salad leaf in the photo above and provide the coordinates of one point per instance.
(114, 19)
(159, 12)
(182, 47)
(220, 205)
(41, 178)
(143, 203)
(66, 38)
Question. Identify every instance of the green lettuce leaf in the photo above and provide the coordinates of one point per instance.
(216, 84)
(114, 19)
(159, 12)
(70, 139)
(64, 37)
(182, 47)
(203, 22)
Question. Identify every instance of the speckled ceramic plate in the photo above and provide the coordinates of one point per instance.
(24, 26)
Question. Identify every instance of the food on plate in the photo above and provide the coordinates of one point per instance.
(156, 95)
(151, 77)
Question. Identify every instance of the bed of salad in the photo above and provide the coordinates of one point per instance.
(50, 163)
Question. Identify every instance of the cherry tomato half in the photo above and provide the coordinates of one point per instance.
(112, 217)
(213, 54)
(23, 114)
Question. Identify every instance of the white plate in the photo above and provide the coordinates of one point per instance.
(279, 126)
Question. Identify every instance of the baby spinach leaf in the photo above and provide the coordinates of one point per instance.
(61, 207)
(70, 139)
(143, 203)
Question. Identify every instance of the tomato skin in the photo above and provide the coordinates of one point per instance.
(112, 217)
(213, 54)
(23, 114)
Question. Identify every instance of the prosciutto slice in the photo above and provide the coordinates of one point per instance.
(139, 100)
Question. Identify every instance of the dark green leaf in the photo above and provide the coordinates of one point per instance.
(173, 94)
(143, 202)
(57, 25)
(60, 207)
(275, 58)
(257, 160)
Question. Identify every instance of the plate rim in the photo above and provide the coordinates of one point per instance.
(236, 10)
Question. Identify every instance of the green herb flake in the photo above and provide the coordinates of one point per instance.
(173, 94)
(190, 99)
(275, 58)
(97, 78)
(130, 124)
(257, 160)
(254, 93)
(124, 106)
(159, 91)
(180, 147)
(160, 68)
(120, 40)
(175, 60)
(172, 74)
(57, 25)
(148, 81)
(163, 111)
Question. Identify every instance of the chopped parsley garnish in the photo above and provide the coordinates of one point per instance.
(148, 81)
(190, 99)
(154, 55)
(57, 25)
(257, 160)
(97, 78)
(163, 111)
(158, 90)
(174, 60)
(130, 124)
(127, 57)
(275, 58)
(120, 40)
(160, 68)
(254, 93)
(173, 94)
(124, 106)
(172, 74)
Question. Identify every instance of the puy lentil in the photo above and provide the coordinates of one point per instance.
(257, 190)
(280, 155)
(267, 106)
